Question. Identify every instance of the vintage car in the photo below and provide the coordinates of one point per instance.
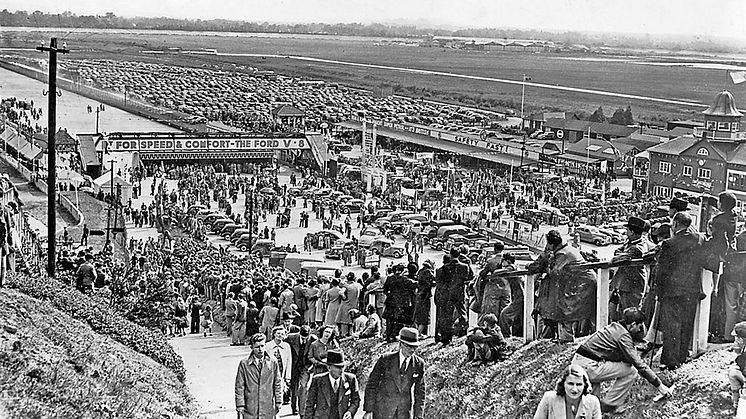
(218, 225)
(352, 206)
(336, 251)
(385, 247)
(367, 235)
(590, 234)
(237, 233)
(228, 230)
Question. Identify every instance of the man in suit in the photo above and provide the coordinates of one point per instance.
(679, 284)
(629, 281)
(333, 394)
(394, 377)
(299, 374)
(299, 296)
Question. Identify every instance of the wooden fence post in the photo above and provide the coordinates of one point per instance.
(702, 318)
(528, 309)
(433, 312)
(602, 299)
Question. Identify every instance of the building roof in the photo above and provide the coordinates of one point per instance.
(613, 130)
(675, 146)
(287, 110)
(88, 154)
(639, 141)
(598, 149)
(723, 105)
(63, 138)
(737, 155)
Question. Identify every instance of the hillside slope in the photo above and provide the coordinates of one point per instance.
(54, 366)
(513, 388)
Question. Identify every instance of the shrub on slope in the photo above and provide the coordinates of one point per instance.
(52, 365)
(97, 313)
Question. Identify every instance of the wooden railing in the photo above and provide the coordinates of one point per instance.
(603, 273)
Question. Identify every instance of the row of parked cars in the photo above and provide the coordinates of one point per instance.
(221, 225)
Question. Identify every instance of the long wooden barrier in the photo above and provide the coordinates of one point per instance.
(702, 319)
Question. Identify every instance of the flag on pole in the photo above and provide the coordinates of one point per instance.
(737, 76)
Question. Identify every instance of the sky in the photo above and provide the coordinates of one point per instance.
(718, 18)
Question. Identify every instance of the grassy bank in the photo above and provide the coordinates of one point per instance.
(52, 365)
(513, 388)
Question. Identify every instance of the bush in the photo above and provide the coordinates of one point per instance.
(96, 312)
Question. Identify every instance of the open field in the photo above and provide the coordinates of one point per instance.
(622, 75)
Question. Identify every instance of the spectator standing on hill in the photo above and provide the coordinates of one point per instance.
(396, 385)
(258, 389)
(335, 394)
(425, 284)
(300, 344)
(680, 288)
(238, 331)
(629, 281)
(400, 296)
(86, 275)
(350, 297)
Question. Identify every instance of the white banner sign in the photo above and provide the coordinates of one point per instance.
(206, 144)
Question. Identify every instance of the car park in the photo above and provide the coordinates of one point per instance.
(590, 234)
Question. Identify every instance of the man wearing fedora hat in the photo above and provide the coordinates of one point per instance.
(333, 394)
(629, 281)
(395, 379)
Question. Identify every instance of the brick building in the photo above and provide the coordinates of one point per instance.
(709, 161)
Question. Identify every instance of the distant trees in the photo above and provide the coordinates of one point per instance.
(598, 115)
(622, 116)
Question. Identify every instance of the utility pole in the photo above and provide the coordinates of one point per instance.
(111, 201)
(51, 153)
(99, 109)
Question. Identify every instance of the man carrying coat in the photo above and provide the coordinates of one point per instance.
(395, 378)
(258, 383)
(333, 394)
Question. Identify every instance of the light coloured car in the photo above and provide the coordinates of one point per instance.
(367, 236)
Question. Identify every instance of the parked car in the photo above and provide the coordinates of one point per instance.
(530, 215)
(367, 236)
(614, 235)
(391, 218)
(352, 206)
(378, 213)
(399, 225)
(431, 230)
(203, 213)
(263, 247)
(193, 209)
(245, 242)
(386, 247)
(293, 261)
(218, 225)
(228, 230)
(208, 220)
(590, 234)
(336, 251)
(237, 233)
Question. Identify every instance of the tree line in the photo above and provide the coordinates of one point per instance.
(22, 18)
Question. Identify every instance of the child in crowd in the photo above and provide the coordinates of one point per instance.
(486, 344)
(207, 320)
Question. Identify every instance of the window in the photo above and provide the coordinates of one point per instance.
(704, 173)
(711, 125)
(723, 126)
(664, 167)
(687, 170)
(703, 152)
(734, 126)
(661, 191)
